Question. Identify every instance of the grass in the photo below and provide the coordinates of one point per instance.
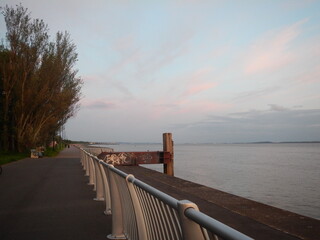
(6, 157)
(50, 152)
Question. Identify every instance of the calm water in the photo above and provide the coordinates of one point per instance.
(282, 175)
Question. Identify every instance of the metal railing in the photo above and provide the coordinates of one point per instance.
(140, 211)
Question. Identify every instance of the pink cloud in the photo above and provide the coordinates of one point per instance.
(202, 107)
(184, 108)
(197, 88)
(311, 76)
(272, 51)
(184, 88)
(197, 82)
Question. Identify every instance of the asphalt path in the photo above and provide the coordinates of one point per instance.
(49, 198)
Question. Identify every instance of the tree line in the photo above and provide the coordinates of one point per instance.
(39, 86)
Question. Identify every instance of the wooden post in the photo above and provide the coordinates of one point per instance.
(168, 168)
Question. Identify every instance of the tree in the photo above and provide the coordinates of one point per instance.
(41, 87)
(6, 102)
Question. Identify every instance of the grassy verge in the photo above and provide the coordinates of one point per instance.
(50, 152)
(6, 157)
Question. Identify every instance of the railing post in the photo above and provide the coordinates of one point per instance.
(190, 229)
(83, 159)
(116, 206)
(86, 163)
(141, 225)
(82, 156)
(106, 187)
(168, 168)
(91, 172)
(98, 180)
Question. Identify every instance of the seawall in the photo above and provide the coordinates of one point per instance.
(254, 219)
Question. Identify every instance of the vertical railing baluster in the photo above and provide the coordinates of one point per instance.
(98, 180)
(117, 220)
(91, 172)
(141, 225)
(142, 232)
(106, 188)
(85, 163)
(146, 212)
(142, 212)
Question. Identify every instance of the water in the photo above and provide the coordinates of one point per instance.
(282, 175)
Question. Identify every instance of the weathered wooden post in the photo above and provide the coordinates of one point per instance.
(168, 167)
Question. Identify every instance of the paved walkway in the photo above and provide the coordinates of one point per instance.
(49, 198)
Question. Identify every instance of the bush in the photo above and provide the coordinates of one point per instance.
(6, 157)
(50, 152)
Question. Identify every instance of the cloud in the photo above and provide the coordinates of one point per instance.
(185, 95)
(275, 124)
(275, 107)
(313, 76)
(272, 51)
(197, 88)
(296, 5)
(195, 82)
(122, 88)
(131, 57)
(165, 52)
(124, 43)
(256, 93)
(103, 85)
(276, 116)
(100, 104)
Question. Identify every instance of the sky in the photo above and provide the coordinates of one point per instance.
(206, 71)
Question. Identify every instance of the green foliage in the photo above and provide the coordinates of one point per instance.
(6, 157)
(39, 86)
(52, 152)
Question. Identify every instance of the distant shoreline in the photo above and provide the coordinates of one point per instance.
(267, 142)
(208, 143)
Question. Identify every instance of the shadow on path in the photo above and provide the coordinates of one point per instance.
(49, 198)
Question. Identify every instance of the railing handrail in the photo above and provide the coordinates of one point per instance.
(172, 202)
(116, 170)
(191, 213)
(213, 225)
